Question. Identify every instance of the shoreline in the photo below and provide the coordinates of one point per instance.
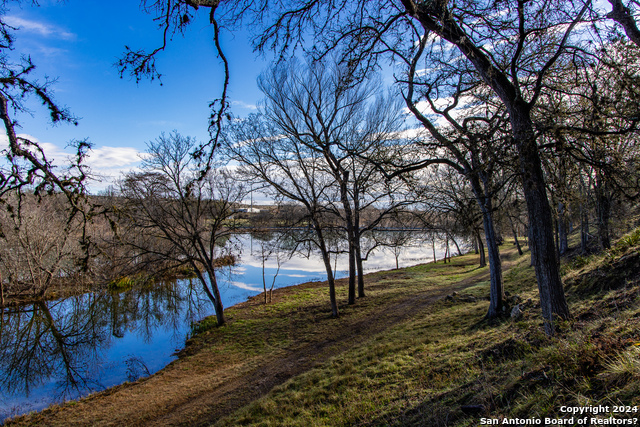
(255, 299)
(238, 315)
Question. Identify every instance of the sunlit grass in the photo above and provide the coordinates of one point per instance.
(424, 369)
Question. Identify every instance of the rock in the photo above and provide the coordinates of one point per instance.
(516, 312)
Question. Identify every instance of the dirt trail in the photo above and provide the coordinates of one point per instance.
(210, 406)
(209, 392)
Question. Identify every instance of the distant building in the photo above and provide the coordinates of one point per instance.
(248, 210)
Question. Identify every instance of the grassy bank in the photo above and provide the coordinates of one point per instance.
(415, 351)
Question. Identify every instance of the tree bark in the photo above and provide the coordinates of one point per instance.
(352, 266)
(532, 262)
(584, 218)
(343, 179)
(447, 253)
(496, 289)
(264, 279)
(326, 258)
(603, 209)
(563, 240)
(435, 17)
(218, 301)
(214, 296)
(455, 243)
(483, 255)
(584, 229)
(622, 15)
(515, 236)
(496, 294)
(358, 235)
(217, 307)
(552, 299)
(361, 293)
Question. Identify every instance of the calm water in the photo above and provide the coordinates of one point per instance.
(61, 350)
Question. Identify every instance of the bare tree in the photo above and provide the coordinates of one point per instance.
(40, 244)
(345, 122)
(177, 216)
(291, 171)
(25, 165)
(473, 140)
(624, 15)
(594, 128)
(513, 47)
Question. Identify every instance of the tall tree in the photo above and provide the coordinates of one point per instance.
(291, 171)
(175, 215)
(472, 137)
(591, 120)
(343, 121)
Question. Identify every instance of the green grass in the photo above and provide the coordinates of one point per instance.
(422, 370)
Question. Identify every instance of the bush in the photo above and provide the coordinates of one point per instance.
(203, 325)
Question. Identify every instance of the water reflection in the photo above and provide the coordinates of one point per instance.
(54, 351)
(59, 350)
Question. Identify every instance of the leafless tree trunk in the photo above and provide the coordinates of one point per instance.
(623, 16)
(175, 215)
(483, 259)
(514, 230)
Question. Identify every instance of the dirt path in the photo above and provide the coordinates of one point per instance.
(207, 408)
(201, 392)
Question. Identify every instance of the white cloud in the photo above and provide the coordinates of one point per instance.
(243, 104)
(51, 51)
(52, 152)
(107, 164)
(113, 157)
(412, 133)
(45, 30)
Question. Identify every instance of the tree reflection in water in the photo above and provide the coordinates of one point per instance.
(65, 349)
(54, 351)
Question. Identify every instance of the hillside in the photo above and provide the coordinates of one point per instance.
(415, 351)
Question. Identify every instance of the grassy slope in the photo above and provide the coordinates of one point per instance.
(404, 355)
(424, 369)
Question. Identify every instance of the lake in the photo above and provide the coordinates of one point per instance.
(64, 349)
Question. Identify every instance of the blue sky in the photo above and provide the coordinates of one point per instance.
(78, 43)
